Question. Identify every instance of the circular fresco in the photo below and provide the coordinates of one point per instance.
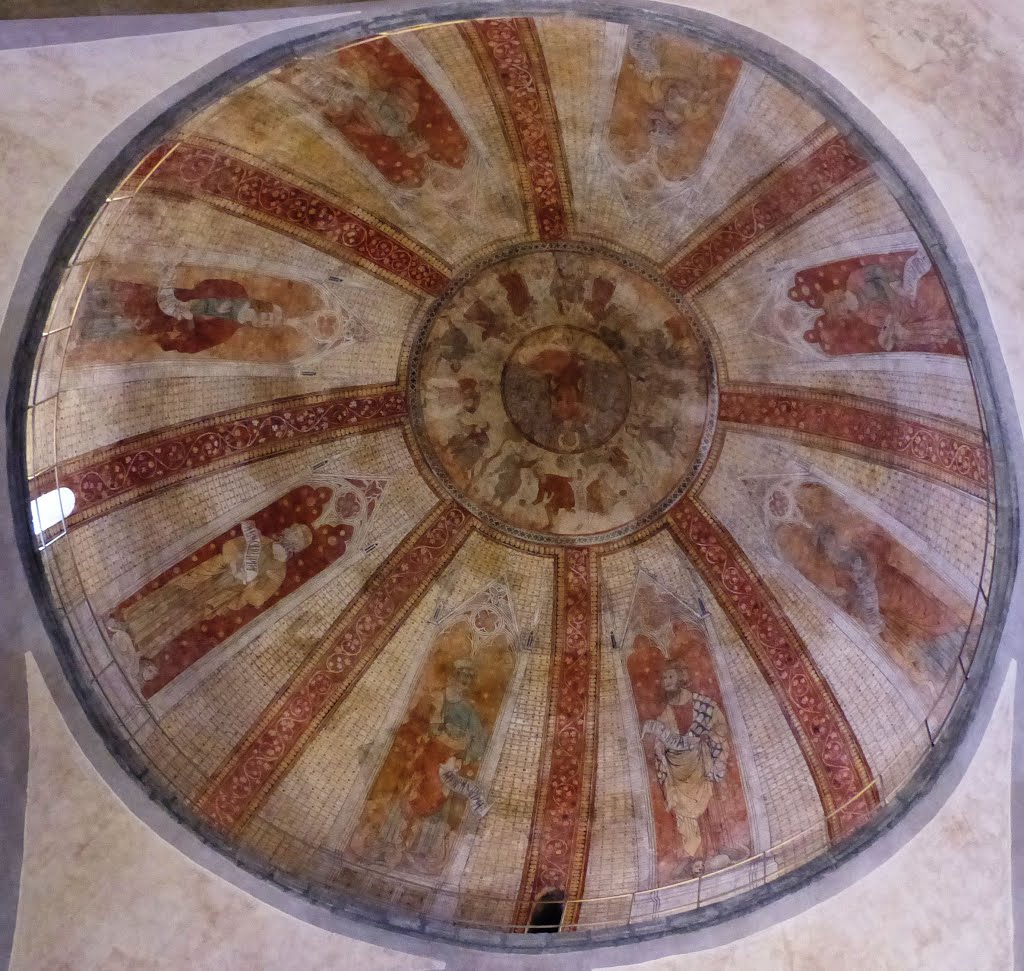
(562, 394)
(375, 511)
(565, 389)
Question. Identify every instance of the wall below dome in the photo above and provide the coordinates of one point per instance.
(57, 182)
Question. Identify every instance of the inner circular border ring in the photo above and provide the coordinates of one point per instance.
(426, 457)
(504, 397)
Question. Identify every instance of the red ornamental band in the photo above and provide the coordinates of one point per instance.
(514, 62)
(148, 463)
(851, 422)
(838, 766)
(560, 837)
(254, 192)
(288, 725)
(785, 196)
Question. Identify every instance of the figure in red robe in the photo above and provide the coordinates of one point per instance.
(873, 304)
(187, 320)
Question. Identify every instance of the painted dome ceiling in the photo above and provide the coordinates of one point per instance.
(514, 461)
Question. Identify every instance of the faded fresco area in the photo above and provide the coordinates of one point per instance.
(670, 97)
(563, 393)
(407, 134)
(138, 313)
(870, 303)
(387, 111)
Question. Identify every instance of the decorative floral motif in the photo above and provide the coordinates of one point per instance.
(356, 638)
(257, 194)
(152, 463)
(827, 741)
(557, 858)
(348, 506)
(923, 448)
(785, 194)
(516, 65)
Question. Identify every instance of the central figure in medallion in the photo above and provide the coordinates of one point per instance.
(562, 394)
(565, 389)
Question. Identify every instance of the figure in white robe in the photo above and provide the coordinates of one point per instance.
(691, 748)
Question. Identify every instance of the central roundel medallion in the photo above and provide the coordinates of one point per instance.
(565, 389)
(562, 393)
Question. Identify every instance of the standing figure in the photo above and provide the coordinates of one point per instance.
(569, 283)
(691, 748)
(186, 320)
(517, 292)
(456, 742)
(384, 107)
(417, 802)
(556, 493)
(670, 98)
(467, 448)
(698, 805)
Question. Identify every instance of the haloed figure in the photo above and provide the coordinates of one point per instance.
(693, 761)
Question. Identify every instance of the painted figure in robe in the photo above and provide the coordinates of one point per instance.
(697, 801)
(670, 98)
(872, 577)
(148, 313)
(419, 797)
(691, 753)
(212, 593)
(248, 571)
(378, 100)
(874, 304)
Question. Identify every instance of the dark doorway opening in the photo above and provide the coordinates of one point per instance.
(547, 913)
